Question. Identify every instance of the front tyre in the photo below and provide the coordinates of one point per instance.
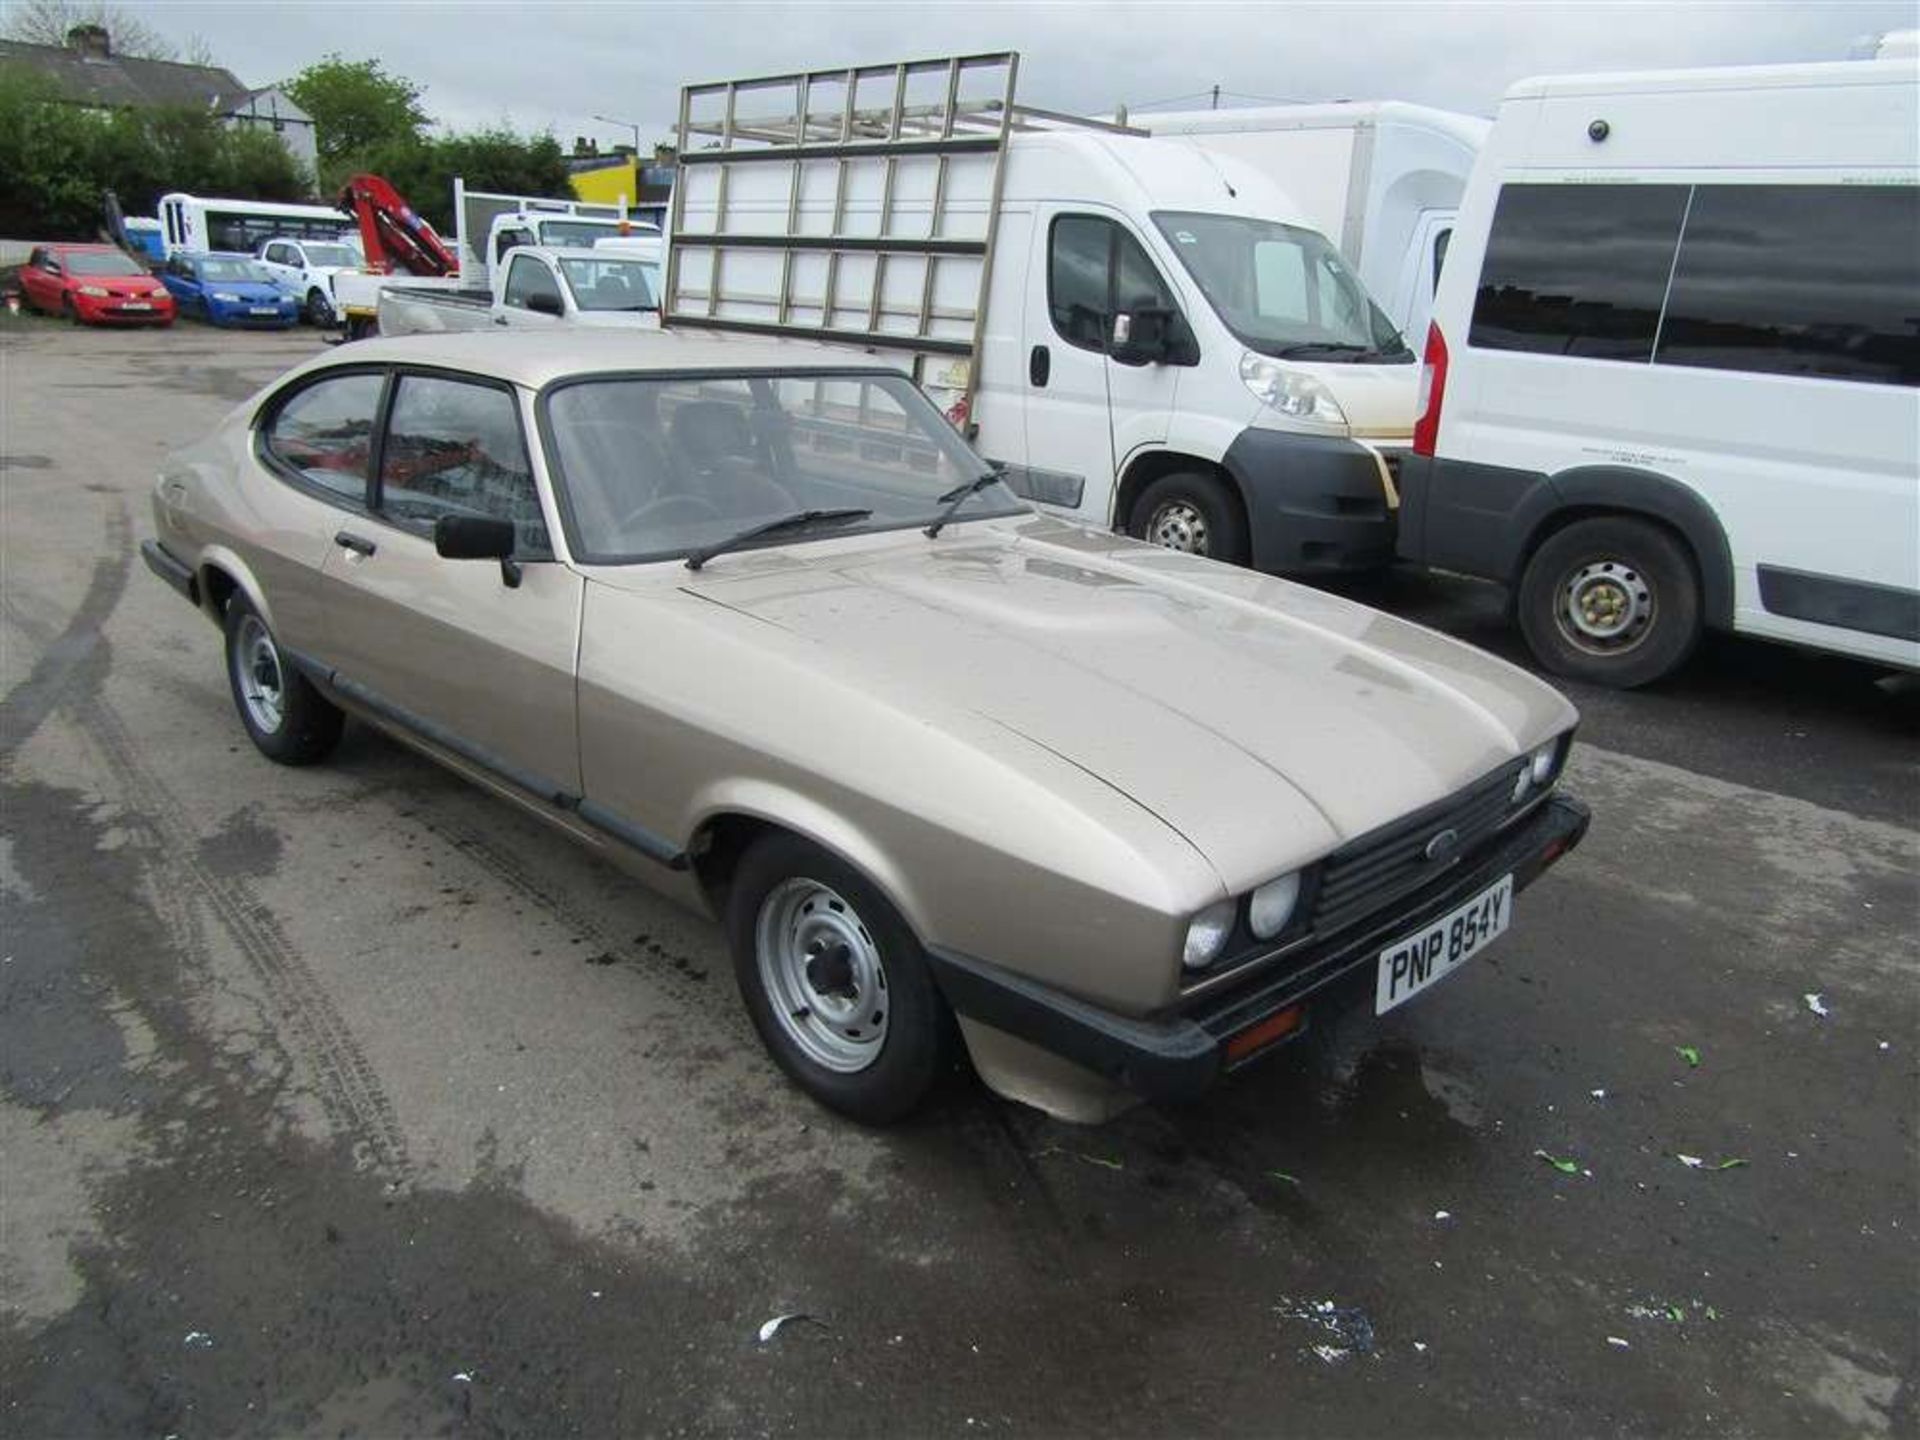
(319, 309)
(1614, 600)
(288, 720)
(835, 982)
(1191, 513)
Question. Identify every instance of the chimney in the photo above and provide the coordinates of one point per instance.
(91, 41)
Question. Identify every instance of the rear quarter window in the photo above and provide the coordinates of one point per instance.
(323, 433)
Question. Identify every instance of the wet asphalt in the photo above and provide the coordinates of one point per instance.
(350, 1102)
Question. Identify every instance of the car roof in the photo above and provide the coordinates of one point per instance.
(82, 247)
(536, 359)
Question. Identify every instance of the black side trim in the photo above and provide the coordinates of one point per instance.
(179, 576)
(1165, 1059)
(1850, 604)
(645, 841)
(1313, 502)
(1049, 487)
(1485, 519)
(652, 846)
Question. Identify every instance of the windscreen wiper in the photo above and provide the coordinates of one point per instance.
(799, 520)
(1321, 347)
(959, 496)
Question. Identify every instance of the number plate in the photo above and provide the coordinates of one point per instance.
(135, 305)
(266, 310)
(1414, 962)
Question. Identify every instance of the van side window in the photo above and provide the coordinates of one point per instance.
(525, 278)
(1578, 269)
(1077, 255)
(1799, 280)
(1136, 279)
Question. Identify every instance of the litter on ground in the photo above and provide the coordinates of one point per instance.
(1346, 1324)
(1564, 1166)
(1816, 1004)
(1692, 1162)
(1618, 1343)
(1689, 1054)
(773, 1326)
(198, 1340)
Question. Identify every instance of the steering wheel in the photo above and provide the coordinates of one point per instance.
(693, 507)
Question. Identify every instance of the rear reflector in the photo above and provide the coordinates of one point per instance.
(1269, 1030)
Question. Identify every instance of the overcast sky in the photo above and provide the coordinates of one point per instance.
(538, 66)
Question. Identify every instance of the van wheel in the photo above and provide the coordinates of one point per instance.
(1191, 513)
(319, 309)
(835, 982)
(1612, 600)
(288, 720)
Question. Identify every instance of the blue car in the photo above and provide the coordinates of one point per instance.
(229, 290)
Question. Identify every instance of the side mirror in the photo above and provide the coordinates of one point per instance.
(544, 302)
(1141, 336)
(478, 537)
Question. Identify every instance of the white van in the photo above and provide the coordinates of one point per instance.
(1381, 178)
(1673, 376)
(1145, 335)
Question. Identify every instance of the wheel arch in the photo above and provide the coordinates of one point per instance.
(1590, 491)
(1147, 466)
(222, 574)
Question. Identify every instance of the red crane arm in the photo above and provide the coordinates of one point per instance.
(395, 237)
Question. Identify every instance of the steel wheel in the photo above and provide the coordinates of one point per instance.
(1179, 525)
(823, 975)
(257, 675)
(1606, 608)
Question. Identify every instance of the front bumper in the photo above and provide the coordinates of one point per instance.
(1315, 503)
(1177, 1054)
(242, 317)
(92, 310)
(174, 572)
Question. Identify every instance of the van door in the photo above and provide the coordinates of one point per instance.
(1411, 307)
(1069, 461)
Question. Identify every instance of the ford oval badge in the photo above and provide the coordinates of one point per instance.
(1442, 845)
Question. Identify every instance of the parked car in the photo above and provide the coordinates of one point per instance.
(536, 286)
(306, 268)
(1673, 378)
(95, 285)
(230, 290)
(754, 621)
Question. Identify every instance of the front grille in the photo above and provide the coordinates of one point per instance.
(1375, 870)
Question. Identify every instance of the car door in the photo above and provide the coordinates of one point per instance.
(459, 651)
(36, 280)
(279, 258)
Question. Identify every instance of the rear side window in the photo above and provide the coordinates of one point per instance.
(455, 448)
(324, 434)
(1799, 280)
(1578, 269)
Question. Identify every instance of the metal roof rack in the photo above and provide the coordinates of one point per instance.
(854, 205)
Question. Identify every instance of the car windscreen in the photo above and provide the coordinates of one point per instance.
(340, 255)
(650, 468)
(101, 263)
(1281, 289)
(234, 272)
(613, 284)
(576, 232)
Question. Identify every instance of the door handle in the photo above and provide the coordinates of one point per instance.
(499, 319)
(349, 541)
(1039, 365)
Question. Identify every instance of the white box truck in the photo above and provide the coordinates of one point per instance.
(1673, 376)
(1145, 335)
(1383, 179)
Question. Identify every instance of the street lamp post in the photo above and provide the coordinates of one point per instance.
(625, 125)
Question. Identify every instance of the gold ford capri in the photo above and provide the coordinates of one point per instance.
(753, 621)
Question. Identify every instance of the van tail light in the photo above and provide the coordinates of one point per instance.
(1433, 392)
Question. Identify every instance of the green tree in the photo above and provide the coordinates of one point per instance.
(356, 107)
(46, 22)
(424, 170)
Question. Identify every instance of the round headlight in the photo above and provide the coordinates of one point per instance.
(1207, 935)
(1543, 762)
(1272, 905)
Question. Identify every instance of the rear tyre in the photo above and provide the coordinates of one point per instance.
(1613, 600)
(1192, 513)
(319, 309)
(835, 982)
(288, 720)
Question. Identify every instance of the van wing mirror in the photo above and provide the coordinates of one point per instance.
(1142, 335)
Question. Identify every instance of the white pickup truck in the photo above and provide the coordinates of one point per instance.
(612, 284)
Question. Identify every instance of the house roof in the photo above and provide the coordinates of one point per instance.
(128, 79)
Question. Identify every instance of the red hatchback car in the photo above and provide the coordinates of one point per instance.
(96, 284)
